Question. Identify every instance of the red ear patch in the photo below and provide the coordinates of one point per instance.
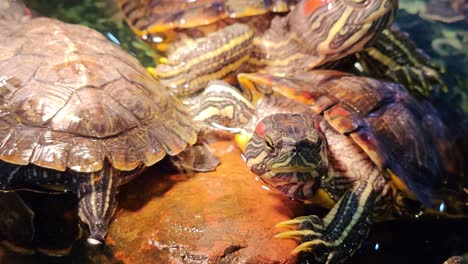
(311, 5)
(317, 125)
(260, 130)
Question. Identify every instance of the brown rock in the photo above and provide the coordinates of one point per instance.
(218, 217)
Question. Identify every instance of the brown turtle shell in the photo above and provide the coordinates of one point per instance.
(78, 99)
(151, 16)
(402, 136)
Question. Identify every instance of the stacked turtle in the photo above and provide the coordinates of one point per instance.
(207, 40)
(77, 111)
(364, 148)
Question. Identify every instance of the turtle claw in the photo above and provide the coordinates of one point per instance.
(290, 224)
(297, 234)
(310, 231)
(310, 246)
(311, 222)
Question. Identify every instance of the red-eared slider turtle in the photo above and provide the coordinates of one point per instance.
(315, 34)
(77, 111)
(164, 21)
(363, 148)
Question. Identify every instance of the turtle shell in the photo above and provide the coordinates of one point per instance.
(402, 136)
(156, 16)
(77, 100)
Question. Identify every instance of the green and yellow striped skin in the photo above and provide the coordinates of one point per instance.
(217, 56)
(314, 33)
(394, 57)
(161, 22)
(358, 146)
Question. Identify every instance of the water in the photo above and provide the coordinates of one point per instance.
(426, 241)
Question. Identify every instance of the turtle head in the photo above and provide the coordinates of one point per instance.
(289, 153)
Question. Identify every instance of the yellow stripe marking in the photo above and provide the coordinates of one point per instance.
(209, 55)
(208, 77)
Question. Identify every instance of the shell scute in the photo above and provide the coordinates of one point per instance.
(120, 153)
(17, 143)
(89, 112)
(369, 142)
(159, 130)
(52, 150)
(124, 93)
(343, 119)
(22, 68)
(148, 148)
(85, 155)
(37, 102)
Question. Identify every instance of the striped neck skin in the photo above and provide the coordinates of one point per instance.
(289, 153)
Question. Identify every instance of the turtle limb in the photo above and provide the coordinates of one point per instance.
(340, 233)
(191, 65)
(96, 192)
(395, 57)
(199, 157)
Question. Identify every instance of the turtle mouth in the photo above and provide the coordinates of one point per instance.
(289, 176)
(297, 185)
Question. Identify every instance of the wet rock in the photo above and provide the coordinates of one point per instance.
(218, 217)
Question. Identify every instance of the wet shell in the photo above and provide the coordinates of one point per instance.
(395, 130)
(161, 15)
(77, 100)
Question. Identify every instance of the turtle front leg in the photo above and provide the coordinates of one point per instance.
(197, 158)
(340, 233)
(96, 192)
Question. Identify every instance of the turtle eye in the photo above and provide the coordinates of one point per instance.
(269, 144)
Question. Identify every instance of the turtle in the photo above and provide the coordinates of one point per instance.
(241, 36)
(161, 22)
(76, 111)
(362, 148)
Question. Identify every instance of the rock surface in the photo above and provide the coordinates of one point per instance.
(223, 216)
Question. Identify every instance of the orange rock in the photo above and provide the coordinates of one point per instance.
(223, 216)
